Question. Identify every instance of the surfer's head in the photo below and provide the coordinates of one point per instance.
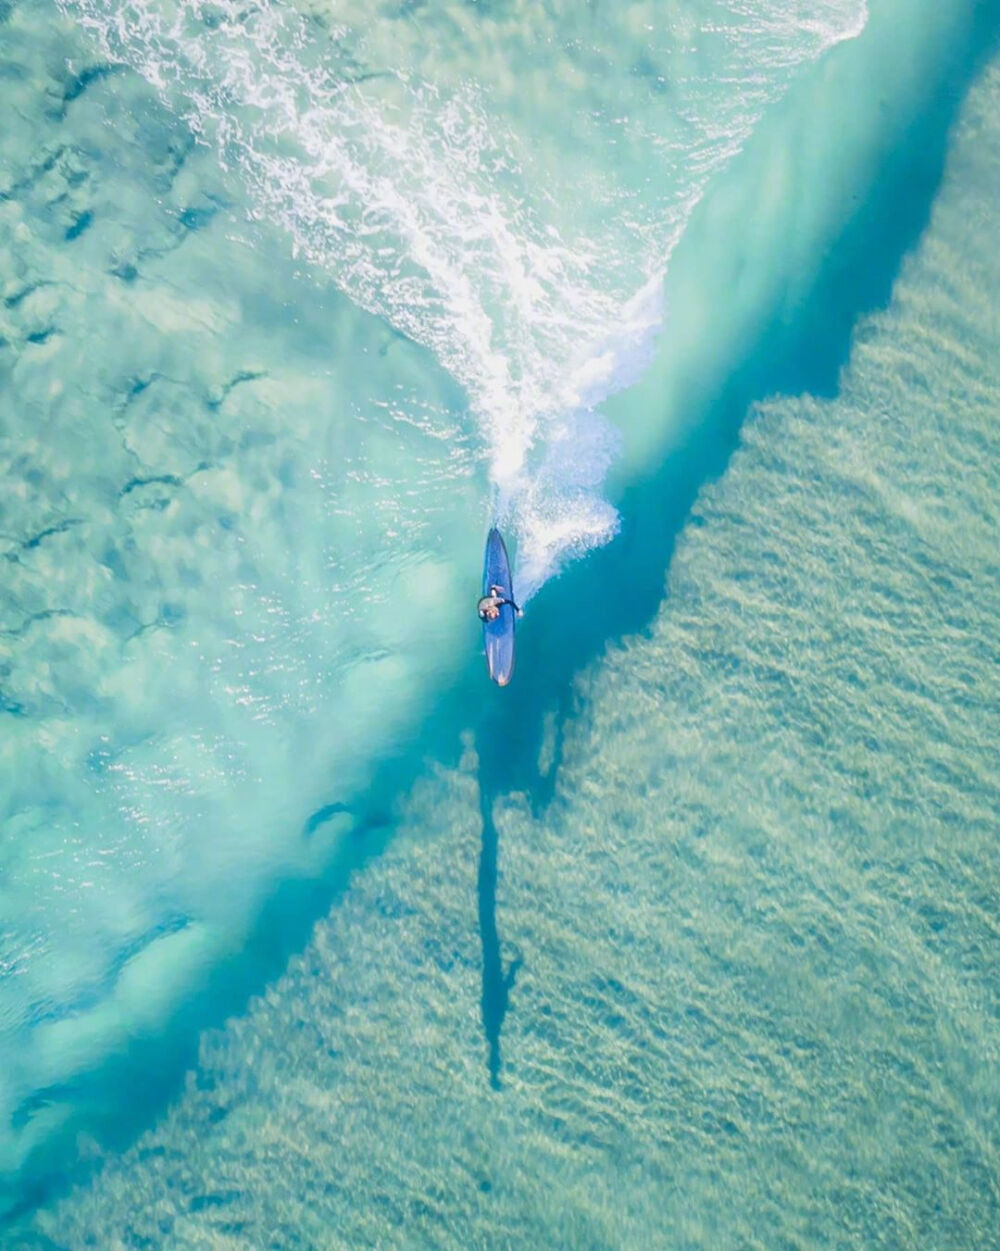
(489, 608)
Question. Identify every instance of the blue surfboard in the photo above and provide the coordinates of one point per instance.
(499, 635)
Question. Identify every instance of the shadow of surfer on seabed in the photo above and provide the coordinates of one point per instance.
(498, 612)
(497, 983)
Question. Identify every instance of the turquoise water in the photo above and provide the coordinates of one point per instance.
(310, 936)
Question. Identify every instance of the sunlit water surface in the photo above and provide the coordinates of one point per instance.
(687, 939)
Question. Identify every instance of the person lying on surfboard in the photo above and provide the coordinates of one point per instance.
(490, 605)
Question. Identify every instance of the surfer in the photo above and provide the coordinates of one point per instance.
(498, 594)
(490, 605)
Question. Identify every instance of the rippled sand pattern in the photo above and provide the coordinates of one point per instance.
(751, 940)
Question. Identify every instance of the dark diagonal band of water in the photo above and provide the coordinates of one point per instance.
(787, 347)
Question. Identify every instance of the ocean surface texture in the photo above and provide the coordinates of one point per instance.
(310, 936)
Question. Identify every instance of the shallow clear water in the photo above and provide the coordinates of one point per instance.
(688, 937)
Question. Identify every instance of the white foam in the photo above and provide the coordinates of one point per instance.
(410, 193)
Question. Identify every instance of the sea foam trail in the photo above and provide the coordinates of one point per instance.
(413, 180)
